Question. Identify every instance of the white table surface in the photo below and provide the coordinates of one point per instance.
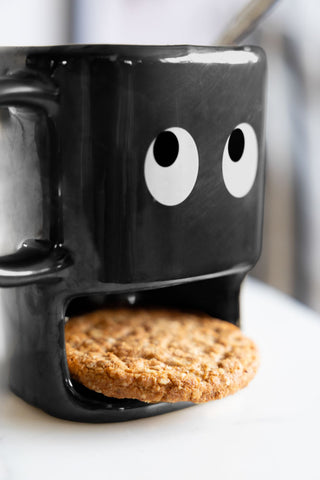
(270, 430)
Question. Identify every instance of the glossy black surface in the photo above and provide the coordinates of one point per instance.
(25, 88)
(35, 260)
(116, 242)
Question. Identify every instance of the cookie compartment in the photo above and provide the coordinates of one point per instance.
(218, 297)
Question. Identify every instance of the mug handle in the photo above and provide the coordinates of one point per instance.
(35, 260)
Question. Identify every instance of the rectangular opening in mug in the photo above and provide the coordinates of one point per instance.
(217, 297)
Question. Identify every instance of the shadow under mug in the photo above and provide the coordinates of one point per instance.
(150, 168)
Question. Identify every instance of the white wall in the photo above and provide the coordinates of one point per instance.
(152, 21)
(34, 22)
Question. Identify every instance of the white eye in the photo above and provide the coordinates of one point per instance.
(171, 166)
(240, 160)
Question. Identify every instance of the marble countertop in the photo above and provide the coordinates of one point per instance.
(268, 430)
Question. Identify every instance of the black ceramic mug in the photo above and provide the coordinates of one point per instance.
(129, 175)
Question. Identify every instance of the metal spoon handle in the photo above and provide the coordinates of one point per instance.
(245, 21)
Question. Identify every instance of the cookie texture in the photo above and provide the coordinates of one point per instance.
(158, 355)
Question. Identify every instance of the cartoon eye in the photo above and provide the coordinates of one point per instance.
(171, 166)
(240, 160)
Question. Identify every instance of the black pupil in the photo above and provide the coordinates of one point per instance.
(166, 148)
(236, 145)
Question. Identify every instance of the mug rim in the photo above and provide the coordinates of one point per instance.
(182, 53)
(96, 47)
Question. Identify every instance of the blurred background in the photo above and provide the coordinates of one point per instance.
(290, 36)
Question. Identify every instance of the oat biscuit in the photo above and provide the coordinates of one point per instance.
(158, 355)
